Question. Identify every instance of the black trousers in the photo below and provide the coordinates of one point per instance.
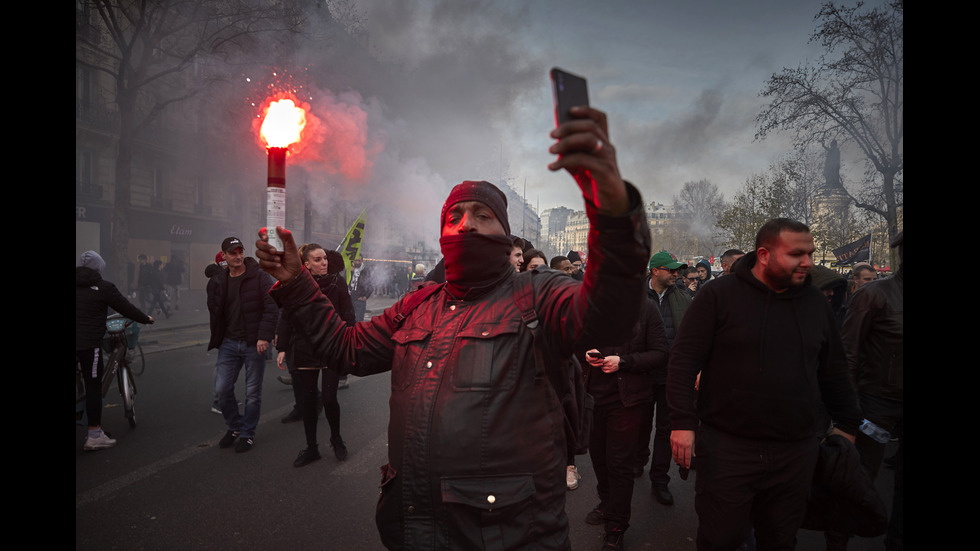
(889, 415)
(305, 390)
(660, 465)
(612, 447)
(92, 370)
(744, 484)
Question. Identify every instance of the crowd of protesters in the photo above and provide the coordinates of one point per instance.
(744, 378)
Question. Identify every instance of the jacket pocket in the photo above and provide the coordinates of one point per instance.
(485, 356)
(409, 343)
(388, 514)
(490, 512)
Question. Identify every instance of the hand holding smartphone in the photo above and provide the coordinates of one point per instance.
(584, 150)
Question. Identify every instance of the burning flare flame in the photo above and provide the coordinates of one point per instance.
(284, 122)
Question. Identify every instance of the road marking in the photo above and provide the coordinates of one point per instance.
(357, 463)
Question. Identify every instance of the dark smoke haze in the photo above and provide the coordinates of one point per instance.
(436, 92)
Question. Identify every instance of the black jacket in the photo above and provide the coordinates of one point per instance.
(843, 497)
(93, 298)
(643, 359)
(335, 289)
(476, 442)
(873, 335)
(675, 303)
(767, 361)
(260, 311)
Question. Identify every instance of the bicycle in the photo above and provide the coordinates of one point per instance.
(121, 343)
(137, 364)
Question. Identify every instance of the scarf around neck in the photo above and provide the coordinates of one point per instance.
(475, 263)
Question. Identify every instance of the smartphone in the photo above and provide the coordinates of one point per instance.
(569, 91)
(596, 355)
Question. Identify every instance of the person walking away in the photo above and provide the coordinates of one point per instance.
(157, 287)
(174, 272)
(210, 271)
(94, 297)
(144, 282)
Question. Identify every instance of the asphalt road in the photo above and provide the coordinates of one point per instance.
(166, 484)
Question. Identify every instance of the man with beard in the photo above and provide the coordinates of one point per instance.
(769, 352)
(672, 303)
(476, 435)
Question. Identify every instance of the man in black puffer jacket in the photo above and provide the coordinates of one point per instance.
(243, 323)
(93, 297)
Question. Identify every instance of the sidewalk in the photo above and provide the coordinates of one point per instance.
(190, 325)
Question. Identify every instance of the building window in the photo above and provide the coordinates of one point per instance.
(202, 205)
(158, 189)
(83, 169)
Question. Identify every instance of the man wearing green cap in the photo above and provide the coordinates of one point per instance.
(673, 304)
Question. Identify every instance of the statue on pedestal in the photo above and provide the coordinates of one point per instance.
(831, 168)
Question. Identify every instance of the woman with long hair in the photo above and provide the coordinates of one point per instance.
(293, 347)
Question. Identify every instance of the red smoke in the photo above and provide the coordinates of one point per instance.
(334, 140)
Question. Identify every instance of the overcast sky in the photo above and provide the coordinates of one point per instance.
(680, 80)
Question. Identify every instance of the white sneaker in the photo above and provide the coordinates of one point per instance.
(100, 443)
(572, 477)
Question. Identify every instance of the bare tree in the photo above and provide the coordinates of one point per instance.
(698, 206)
(760, 199)
(803, 182)
(854, 93)
(159, 53)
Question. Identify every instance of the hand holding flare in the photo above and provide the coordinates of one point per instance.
(282, 127)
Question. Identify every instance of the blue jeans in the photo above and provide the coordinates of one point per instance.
(232, 356)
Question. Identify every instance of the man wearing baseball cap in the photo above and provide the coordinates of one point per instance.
(673, 303)
(476, 441)
(243, 322)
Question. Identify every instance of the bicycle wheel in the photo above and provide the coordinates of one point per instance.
(134, 357)
(111, 369)
(127, 388)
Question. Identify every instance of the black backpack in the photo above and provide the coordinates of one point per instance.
(566, 375)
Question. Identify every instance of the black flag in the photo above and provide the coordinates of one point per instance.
(858, 251)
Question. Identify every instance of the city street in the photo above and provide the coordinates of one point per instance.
(167, 485)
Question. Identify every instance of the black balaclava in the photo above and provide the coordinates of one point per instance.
(475, 262)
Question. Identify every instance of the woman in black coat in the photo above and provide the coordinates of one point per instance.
(304, 367)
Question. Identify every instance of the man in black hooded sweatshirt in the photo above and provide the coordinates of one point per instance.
(769, 352)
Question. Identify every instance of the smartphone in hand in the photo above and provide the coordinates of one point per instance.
(569, 91)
